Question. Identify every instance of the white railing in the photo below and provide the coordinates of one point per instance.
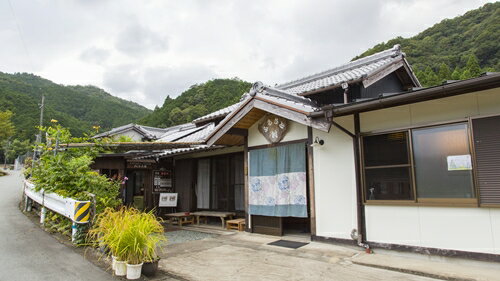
(75, 210)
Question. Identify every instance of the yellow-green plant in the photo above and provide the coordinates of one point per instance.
(129, 234)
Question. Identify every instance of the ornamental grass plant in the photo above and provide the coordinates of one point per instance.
(129, 234)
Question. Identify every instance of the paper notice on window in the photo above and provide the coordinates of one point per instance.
(459, 162)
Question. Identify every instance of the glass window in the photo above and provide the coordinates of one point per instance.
(387, 167)
(442, 162)
(388, 184)
(387, 149)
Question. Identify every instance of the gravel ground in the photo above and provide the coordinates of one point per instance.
(181, 236)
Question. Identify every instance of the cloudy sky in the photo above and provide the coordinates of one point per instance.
(146, 50)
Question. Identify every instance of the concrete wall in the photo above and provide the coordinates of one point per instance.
(458, 228)
(295, 131)
(465, 229)
(335, 182)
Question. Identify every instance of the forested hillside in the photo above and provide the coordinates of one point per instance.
(457, 48)
(197, 101)
(76, 107)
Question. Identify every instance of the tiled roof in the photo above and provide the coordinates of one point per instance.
(148, 132)
(180, 132)
(216, 114)
(200, 135)
(351, 71)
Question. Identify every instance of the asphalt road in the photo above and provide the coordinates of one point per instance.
(29, 253)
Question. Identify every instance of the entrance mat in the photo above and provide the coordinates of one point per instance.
(287, 244)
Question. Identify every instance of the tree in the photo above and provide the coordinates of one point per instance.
(15, 148)
(444, 72)
(473, 67)
(6, 126)
(457, 73)
(431, 79)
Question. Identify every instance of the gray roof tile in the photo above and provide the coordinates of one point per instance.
(351, 71)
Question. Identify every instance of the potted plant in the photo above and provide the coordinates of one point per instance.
(132, 238)
(143, 235)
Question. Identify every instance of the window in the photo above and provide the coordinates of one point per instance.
(387, 167)
(443, 162)
(433, 163)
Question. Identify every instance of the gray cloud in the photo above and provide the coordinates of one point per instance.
(137, 39)
(146, 50)
(95, 55)
(122, 79)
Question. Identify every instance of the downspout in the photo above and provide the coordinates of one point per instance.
(360, 233)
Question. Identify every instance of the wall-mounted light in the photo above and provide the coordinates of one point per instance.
(317, 142)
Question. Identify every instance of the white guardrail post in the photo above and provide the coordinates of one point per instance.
(77, 211)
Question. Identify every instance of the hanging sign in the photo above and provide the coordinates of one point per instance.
(273, 128)
(162, 181)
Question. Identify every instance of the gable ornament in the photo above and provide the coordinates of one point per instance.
(273, 128)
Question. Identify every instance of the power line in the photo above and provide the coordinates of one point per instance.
(19, 32)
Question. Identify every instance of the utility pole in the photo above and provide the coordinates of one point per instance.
(39, 136)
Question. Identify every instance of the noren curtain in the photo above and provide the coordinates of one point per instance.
(278, 181)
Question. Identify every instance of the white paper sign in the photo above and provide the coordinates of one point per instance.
(168, 200)
(459, 162)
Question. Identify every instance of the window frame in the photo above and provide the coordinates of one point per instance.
(436, 202)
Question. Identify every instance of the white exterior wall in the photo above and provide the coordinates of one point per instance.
(295, 131)
(335, 182)
(457, 228)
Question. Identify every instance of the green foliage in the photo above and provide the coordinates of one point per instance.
(129, 234)
(76, 107)
(468, 44)
(6, 126)
(15, 148)
(69, 174)
(197, 101)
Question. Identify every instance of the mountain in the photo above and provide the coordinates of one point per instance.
(457, 48)
(197, 101)
(76, 107)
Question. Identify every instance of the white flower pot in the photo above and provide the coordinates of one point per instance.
(134, 271)
(120, 268)
(113, 262)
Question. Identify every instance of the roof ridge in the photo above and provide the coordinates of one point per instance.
(392, 52)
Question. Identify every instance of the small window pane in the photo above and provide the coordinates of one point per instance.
(443, 167)
(388, 149)
(388, 184)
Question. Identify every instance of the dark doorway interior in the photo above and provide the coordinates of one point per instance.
(135, 188)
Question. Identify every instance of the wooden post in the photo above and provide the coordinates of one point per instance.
(245, 179)
(310, 177)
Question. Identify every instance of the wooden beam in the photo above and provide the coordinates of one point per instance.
(237, 132)
(230, 122)
(292, 115)
(375, 77)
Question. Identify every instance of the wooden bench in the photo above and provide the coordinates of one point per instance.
(180, 218)
(206, 214)
(237, 224)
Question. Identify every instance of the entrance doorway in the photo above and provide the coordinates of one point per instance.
(135, 187)
(279, 190)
